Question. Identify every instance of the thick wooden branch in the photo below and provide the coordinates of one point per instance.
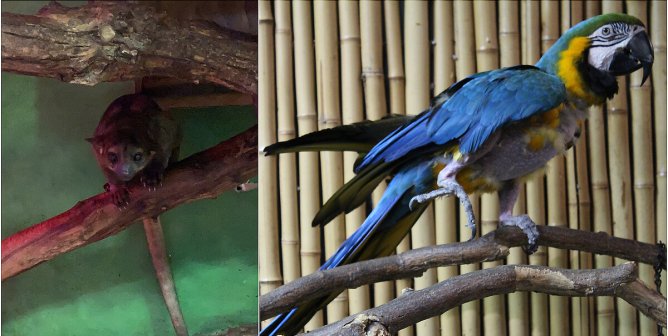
(492, 246)
(414, 306)
(203, 175)
(118, 41)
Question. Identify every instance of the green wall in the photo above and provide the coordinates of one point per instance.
(109, 287)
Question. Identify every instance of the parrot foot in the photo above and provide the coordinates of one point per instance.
(527, 226)
(448, 188)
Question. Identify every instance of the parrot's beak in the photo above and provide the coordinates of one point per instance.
(637, 54)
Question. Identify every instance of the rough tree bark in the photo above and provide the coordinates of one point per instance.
(107, 41)
(492, 246)
(389, 318)
(203, 175)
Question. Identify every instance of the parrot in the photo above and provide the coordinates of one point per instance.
(485, 133)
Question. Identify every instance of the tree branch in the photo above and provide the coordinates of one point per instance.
(416, 306)
(203, 175)
(492, 246)
(118, 41)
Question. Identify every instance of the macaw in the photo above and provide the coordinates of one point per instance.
(483, 134)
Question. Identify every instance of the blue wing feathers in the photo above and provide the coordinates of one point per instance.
(471, 110)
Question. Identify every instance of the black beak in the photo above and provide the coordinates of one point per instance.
(637, 54)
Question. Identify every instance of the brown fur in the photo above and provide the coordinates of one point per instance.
(134, 138)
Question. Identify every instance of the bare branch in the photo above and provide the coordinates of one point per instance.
(413, 263)
(418, 305)
(118, 41)
(203, 175)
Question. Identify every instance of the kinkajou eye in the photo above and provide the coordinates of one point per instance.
(113, 158)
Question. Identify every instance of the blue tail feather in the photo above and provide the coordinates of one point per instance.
(387, 224)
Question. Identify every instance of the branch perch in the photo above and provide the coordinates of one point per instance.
(492, 246)
(119, 41)
(203, 175)
(415, 306)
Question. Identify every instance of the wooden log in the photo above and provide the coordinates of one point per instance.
(117, 41)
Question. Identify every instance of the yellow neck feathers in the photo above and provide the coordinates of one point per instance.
(567, 70)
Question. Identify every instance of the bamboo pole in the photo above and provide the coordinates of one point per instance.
(510, 53)
(464, 66)
(578, 197)
(351, 108)
(384, 292)
(270, 273)
(658, 33)
(445, 211)
(372, 59)
(395, 59)
(309, 170)
(327, 79)
(643, 175)
(573, 223)
(556, 206)
(535, 185)
(577, 12)
(487, 58)
(416, 30)
(605, 309)
(286, 131)
(586, 310)
(592, 8)
(620, 178)
(587, 304)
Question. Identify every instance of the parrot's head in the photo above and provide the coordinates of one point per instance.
(590, 54)
(620, 46)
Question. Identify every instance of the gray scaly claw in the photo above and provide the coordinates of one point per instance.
(527, 226)
(449, 187)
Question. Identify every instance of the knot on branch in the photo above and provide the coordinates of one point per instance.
(368, 325)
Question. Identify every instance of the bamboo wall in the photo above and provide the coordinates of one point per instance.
(368, 59)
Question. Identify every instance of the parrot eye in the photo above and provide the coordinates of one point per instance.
(112, 157)
(606, 31)
(137, 157)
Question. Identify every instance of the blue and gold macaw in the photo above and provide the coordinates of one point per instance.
(483, 134)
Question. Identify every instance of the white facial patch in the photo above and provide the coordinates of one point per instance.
(608, 39)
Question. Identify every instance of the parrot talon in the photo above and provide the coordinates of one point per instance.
(527, 226)
(449, 187)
